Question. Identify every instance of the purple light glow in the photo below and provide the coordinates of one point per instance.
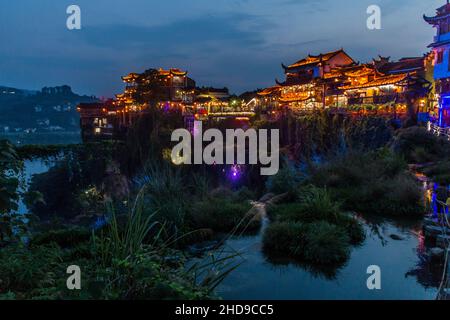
(235, 173)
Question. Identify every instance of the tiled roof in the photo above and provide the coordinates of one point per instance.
(311, 60)
(403, 66)
(269, 91)
(381, 81)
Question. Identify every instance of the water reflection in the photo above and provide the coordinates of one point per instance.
(435, 195)
(32, 167)
(396, 246)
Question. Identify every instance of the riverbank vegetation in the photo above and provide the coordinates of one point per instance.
(123, 260)
(376, 182)
(127, 216)
(430, 154)
(312, 229)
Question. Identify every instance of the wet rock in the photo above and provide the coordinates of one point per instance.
(396, 237)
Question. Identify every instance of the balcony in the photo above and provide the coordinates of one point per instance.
(382, 99)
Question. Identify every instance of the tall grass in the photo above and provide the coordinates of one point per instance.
(120, 244)
(138, 260)
(374, 183)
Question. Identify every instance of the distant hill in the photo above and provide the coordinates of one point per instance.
(51, 109)
(5, 90)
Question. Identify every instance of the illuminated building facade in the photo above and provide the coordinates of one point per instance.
(335, 81)
(441, 50)
(99, 121)
(167, 89)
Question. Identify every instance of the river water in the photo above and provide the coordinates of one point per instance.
(405, 271)
(32, 167)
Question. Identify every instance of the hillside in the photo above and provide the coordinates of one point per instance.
(51, 109)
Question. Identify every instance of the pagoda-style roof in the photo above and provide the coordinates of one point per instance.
(172, 71)
(312, 60)
(404, 65)
(438, 44)
(379, 81)
(296, 81)
(269, 91)
(360, 70)
(130, 77)
(442, 13)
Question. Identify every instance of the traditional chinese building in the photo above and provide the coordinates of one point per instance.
(99, 120)
(168, 89)
(334, 80)
(441, 50)
(311, 80)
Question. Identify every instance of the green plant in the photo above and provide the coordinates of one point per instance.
(317, 243)
(222, 214)
(285, 181)
(10, 168)
(138, 261)
(326, 244)
(418, 145)
(285, 238)
(377, 183)
(165, 192)
(29, 272)
(12, 226)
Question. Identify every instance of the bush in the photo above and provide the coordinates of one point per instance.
(284, 238)
(222, 214)
(285, 181)
(372, 183)
(30, 273)
(122, 261)
(318, 243)
(439, 172)
(326, 244)
(313, 230)
(64, 238)
(316, 205)
(353, 229)
(418, 145)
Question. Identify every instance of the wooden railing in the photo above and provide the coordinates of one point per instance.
(382, 99)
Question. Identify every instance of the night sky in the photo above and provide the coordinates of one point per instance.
(235, 43)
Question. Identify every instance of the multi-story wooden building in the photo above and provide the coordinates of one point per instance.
(335, 80)
(168, 89)
(440, 123)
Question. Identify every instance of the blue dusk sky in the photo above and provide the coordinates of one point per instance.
(235, 43)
